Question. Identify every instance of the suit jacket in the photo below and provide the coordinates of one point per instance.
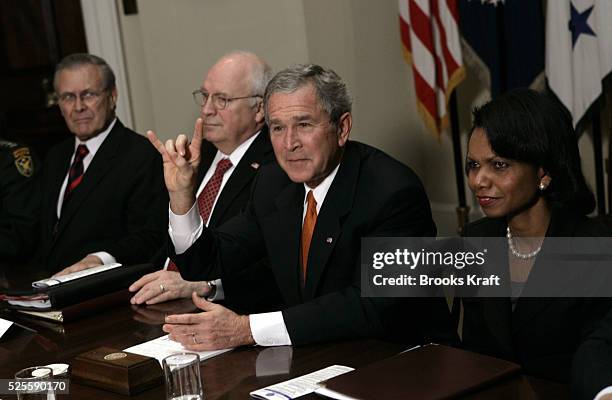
(371, 195)
(592, 363)
(541, 334)
(239, 287)
(120, 206)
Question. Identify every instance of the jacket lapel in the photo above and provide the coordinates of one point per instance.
(242, 175)
(56, 178)
(497, 311)
(207, 154)
(99, 167)
(328, 229)
(284, 238)
(562, 224)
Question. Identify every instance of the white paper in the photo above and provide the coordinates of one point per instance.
(163, 347)
(300, 386)
(40, 303)
(4, 326)
(75, 275)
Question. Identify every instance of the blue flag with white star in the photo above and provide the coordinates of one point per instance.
(578, 52)
(503, 42)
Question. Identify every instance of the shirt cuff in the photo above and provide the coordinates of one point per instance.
(603, 392)
(184, 229)
(268, 329)
(219, 293)
(105, 257)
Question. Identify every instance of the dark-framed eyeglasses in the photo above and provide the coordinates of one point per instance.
(219, 101)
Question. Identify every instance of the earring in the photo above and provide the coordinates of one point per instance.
(541, 186)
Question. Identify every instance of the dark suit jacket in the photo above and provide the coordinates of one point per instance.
(371, 195)
(120, 206)
(240, 287)
(541, 334)
(592, 364)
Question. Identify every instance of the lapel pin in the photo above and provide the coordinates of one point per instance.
(255, 165)
(329, 240)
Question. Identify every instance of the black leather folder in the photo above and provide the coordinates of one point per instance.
(85, 288)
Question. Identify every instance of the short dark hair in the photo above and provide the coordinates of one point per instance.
(331, 90)
(76, 60)
(535, 128)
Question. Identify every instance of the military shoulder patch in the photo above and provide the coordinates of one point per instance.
(23, 161)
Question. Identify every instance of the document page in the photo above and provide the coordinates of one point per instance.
(300, 386)
(163, 347)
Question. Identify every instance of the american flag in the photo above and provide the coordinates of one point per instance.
(431, 43)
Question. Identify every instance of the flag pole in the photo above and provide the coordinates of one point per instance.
(598, 155)
(463, 211)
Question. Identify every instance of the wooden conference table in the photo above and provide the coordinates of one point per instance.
(229, 376)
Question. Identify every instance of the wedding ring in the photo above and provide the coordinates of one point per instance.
(162, 288)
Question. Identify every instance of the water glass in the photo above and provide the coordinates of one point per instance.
(31, 383)
(182, 372)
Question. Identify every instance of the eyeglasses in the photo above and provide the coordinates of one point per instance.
(220, 102)
(89, 97)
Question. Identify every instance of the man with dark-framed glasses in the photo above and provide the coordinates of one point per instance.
(236, 144)
(103, 197)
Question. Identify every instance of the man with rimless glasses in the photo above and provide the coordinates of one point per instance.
(103, 197)
(236, 144)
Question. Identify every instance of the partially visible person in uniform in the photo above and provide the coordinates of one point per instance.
(103, 197)
(19, 201)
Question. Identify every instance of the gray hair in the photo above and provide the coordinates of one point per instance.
(331, 92)
(77, 60)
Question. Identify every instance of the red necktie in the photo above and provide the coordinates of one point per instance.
(75, 175)
(310, 220)
(207, 197)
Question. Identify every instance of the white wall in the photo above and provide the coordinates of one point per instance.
(169, 45)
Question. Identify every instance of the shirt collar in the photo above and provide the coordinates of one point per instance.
(320, 192)
(95, 142)
(238, 152)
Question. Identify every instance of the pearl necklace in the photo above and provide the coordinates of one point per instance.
(515, 252)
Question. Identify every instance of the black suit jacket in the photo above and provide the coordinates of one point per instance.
(235, 193)
(541, 334)
(252, 289)
(592, 364)
(120, 206)
(371, 195)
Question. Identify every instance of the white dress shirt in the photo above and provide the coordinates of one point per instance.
(181, 232)
(268, 329)
(93, 145)
(185, 229)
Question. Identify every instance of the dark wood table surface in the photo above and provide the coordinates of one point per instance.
(229, 376)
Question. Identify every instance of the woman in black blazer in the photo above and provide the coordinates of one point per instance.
(523, 166)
